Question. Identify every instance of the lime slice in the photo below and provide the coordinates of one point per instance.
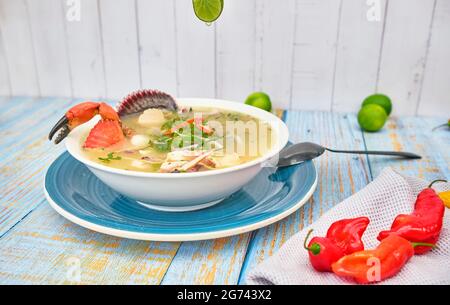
(372, 117)
(260, 100)
(379, 99)
(208, 10)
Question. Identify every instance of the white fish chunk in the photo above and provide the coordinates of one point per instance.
(151, 118)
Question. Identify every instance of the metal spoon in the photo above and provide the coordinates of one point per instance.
(304, 151)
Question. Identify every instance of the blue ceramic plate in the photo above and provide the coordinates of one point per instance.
(75, 193)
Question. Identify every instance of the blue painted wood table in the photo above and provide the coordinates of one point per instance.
(39, 246)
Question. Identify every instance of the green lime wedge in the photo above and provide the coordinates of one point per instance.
(208, 10)
(260, 100)
(372, 117)
(379, 99)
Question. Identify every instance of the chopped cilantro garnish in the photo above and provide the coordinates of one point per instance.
(162, 144)
(168, 124)
(110, 157)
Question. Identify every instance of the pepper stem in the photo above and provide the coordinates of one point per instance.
(315, 247)
(437, 180)
(306, 239)
(418, 244)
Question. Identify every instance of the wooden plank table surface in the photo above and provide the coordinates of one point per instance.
(37, 246)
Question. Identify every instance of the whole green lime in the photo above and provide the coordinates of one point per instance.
(372, 117)
(379, 99)
(260, 100)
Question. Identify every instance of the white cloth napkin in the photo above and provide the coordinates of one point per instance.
(388, 195)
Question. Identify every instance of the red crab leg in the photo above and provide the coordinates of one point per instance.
(106, 132)
(75, 116)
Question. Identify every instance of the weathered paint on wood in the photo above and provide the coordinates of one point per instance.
(358, 52)
(49, 47)
(236, 65)
(195, 44)
(17, 42)
(413, 134)
(120, 47)
(157, 44)
(401, 73)
(85, 52)
(4, 100)
(433, 92)
(39, 246)
(25, 154)
(45, 248)
(274, 30)
(215, 261)
(316, 33)
(5, 82)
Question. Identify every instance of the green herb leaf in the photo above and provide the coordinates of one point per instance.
(162, 144)
(168, 124)
(110, 157)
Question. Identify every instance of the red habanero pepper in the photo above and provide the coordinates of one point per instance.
(343, 237)
(424, 224)
(322, 252)
(375, 265)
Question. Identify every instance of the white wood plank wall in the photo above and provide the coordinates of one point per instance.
(306, 54)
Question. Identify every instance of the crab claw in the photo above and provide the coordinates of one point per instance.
(144, 99)
(108, 130)
(63, 126)
(76, 115)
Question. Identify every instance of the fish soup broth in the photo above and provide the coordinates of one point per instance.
(192, 140)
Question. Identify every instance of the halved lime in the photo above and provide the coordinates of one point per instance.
(379, 99)
(372, 117)
(208, 10)
(260, 100)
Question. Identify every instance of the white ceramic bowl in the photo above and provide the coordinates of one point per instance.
(183, 191)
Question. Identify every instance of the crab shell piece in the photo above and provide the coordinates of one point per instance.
(105, 133)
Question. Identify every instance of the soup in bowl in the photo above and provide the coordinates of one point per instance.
(177, 158)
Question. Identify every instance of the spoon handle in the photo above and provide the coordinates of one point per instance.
(407, 155)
